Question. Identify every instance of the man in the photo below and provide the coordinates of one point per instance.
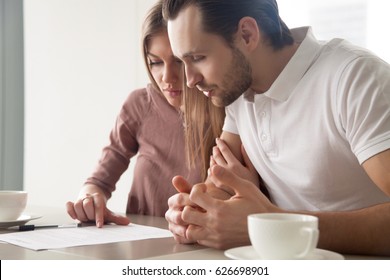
(313, 117)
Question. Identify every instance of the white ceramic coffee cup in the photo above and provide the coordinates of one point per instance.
(12, 205)
(283, 235)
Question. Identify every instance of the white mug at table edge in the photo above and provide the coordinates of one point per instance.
(12, 204)
(283, 235)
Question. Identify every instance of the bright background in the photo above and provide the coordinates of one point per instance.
(82, 58)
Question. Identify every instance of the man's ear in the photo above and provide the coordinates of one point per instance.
(248, 33)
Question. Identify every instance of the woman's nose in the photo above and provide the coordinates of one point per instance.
(171, 74)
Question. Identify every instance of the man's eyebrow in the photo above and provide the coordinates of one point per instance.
(190, 54)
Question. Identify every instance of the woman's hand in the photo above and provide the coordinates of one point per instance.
(92, 206)
(224, 157)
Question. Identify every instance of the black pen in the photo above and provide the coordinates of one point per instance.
(34, 227)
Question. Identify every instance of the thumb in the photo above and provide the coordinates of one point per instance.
(221, 177)
(181, 184)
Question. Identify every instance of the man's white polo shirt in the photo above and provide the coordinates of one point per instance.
(327, 112)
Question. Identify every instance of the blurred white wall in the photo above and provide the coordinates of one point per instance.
(362, 22)
(82, 58)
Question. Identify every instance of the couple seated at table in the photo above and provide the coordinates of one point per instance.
(313, 118)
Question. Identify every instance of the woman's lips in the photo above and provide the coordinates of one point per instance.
(173, 93)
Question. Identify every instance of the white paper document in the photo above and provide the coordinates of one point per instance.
(42, 239)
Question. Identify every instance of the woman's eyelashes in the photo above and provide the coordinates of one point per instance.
(155, 63)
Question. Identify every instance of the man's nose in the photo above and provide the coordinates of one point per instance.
(193, 77)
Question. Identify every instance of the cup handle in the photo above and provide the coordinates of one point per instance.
(311, 244)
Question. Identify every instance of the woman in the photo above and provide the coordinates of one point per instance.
(150, 125)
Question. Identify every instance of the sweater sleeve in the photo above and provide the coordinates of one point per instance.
(123, 142)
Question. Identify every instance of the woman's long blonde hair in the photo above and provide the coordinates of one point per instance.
(153, 24)
(203, 123)
(202, 120)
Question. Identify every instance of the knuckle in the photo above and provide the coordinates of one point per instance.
(181, 200)
(167, 215)
(175, 218)
(171, 201)
(185, 215)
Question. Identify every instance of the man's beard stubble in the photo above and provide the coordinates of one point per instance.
(236, 81)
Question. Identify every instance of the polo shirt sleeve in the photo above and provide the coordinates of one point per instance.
(364, 106)
(230, 124)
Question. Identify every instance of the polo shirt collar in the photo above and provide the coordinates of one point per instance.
(295, 68)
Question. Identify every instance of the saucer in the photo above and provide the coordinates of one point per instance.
(249, 253)
(24, 218)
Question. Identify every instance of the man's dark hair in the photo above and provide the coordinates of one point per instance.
(221, 17)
